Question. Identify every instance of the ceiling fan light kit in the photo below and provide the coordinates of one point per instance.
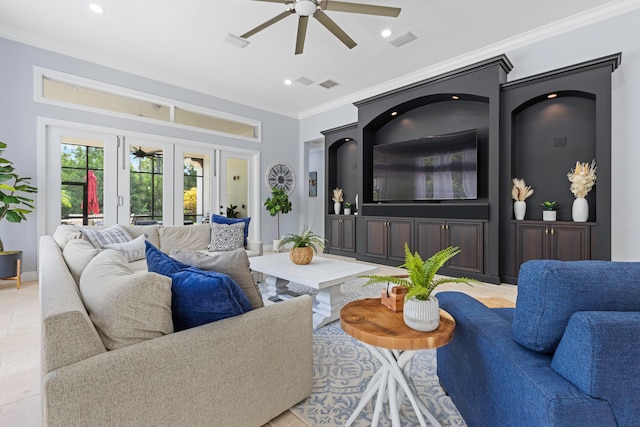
(315, 8)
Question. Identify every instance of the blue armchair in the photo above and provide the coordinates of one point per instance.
(567, 355)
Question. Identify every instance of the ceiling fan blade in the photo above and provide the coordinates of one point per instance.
(335, 29)
(302, 34)
(368, 9)
(266, 24)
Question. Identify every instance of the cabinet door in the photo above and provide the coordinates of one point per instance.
(335, 233)
(531, 242)
(375, 238)
(428, 237)
(570, 242)
(399, 232)
(349, 234)
(469, 237)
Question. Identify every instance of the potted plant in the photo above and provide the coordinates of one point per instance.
(305, 244)
(549, 210)
(582, 179)
(519, 192)
(347, 208)
(421, 308)
(277, 204)
(14, 206)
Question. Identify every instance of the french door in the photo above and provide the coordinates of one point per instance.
(100, 178)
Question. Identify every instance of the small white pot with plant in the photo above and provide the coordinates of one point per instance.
(549, 210)
(582, 179)
(347, 208)
(421, 307)
(519, 192)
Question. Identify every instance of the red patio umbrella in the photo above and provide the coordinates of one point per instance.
(93, 207)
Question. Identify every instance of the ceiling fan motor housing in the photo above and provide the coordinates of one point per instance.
(305, 7)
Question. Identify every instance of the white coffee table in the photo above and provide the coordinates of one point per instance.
(324, 274)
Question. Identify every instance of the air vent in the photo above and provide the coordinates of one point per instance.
(403, 39)
(328, 84)
(304, 80)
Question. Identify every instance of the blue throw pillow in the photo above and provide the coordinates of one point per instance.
(199, 297)
(161, 263)
(219, 219)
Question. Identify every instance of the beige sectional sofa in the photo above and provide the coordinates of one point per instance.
(240, 371)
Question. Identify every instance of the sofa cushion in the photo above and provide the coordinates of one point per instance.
(100, 237)
(64, 233)
(219, 219)
(227, 237)
(149, 231)
(132, 250)
(235, 264)
(200, 297)
(161, 263)
(549, 292)
(77, 254)
(126, 308)
(193, 237)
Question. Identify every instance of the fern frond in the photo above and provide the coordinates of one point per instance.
(397, 281)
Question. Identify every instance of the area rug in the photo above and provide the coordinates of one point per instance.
(342, 368)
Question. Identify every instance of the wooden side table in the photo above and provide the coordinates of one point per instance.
(10, 263)
(385, 334)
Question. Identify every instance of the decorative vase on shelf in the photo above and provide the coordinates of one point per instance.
(580, 210)
(336, 208)
(422, 315)
(519, 209)
(549, 215)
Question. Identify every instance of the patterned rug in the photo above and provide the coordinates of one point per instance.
(343, 367)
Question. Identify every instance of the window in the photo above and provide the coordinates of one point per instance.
(75, 92)
(146, 185)
(193, 192)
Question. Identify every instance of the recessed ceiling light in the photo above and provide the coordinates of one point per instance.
(96, 8)
(287, 82)
(552, 95)
(386, 33)
(394, 113)
(455, 97)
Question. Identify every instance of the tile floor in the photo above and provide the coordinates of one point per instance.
(20, 350)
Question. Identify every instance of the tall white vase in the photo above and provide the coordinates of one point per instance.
(336, 208)
(519, 209)
(580, 210)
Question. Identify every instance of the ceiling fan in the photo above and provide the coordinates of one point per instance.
(140, 154)
(306, 8)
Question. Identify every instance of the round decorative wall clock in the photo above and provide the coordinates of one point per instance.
(281, 175)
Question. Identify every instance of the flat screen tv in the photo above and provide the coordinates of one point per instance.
(439, 167)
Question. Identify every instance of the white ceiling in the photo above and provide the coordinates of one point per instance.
(181, 42)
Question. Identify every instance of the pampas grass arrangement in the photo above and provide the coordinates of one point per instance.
(520, 190)
(582, 178)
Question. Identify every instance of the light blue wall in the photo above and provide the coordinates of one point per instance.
(18, 128)
(618, 34)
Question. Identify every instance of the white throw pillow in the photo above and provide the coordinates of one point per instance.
(125, 307)
(77, 254)
(227, 237)
(132, 250)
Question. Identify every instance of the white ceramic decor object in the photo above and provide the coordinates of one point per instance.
(580, 210)
(422, 316)
(519, 209)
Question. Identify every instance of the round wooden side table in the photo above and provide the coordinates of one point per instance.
(387, 337)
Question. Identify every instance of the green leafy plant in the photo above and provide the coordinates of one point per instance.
(421, 279)
(278, 204)
(550, 206)
(347, 205)
(13, 205)
(231, 211)
(304, 239)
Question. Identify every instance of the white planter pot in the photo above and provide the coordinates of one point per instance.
(580, 210)
(347, 211)
(519, 209)
(549, 215)
(422, 315)
(336, 208)
(276, 243)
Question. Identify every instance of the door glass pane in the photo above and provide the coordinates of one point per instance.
(146, 185)
(82, 182)
(193, 191)
(237, 187)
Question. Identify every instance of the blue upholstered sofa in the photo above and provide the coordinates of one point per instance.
(567, 355)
